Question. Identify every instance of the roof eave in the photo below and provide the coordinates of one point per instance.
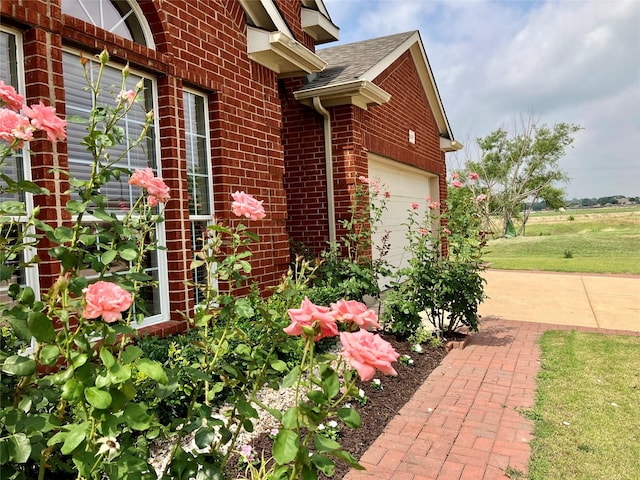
(361, 93)
(318, 26)
(281, 53)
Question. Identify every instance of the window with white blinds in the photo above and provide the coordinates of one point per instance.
(198, 155)
(121, 196)
(16, 167)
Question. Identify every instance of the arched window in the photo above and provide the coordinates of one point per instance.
(120, 17)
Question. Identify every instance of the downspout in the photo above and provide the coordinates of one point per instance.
(331, 206)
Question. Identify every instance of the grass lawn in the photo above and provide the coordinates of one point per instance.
(587, 408)
(593, 241)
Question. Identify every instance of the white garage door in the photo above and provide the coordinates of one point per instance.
(406, 185)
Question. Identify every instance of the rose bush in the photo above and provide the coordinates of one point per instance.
(443, 288)
(80, 399)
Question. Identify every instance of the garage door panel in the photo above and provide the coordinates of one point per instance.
(406, 186)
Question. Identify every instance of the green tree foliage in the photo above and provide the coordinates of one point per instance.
(522, 166)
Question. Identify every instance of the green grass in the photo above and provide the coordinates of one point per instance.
(607, 241)
(587, 425)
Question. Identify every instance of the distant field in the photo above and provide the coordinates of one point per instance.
(589, 240)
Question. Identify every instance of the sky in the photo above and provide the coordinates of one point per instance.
(495, 62)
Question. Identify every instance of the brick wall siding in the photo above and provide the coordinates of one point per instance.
(200, 45)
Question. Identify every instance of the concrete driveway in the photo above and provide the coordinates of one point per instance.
(600, 301)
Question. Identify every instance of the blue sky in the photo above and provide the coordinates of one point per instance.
(495, 61)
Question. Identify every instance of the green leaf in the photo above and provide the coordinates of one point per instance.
(97, 398)
(153, 370)
(243, 308)
(324, 444)
(129, 254)
(285, 446)
(324, 464)
(107, 358)
(108, 257)
(19, 366)
(100, 214)
(49, 354)
(348, 458)
(291, 377)
(72, 390)
(6, 272)
(41, 327)
(76, 206)
(350, 417)
(205, 437)
(290, 418)
(74, 437)
(12, 207)
(317, 397)
(63, 234)
(19, 448)
(330, 383)
(20, 328)
(135, 415)
(279, 365)
(131, 354)
(246, 409)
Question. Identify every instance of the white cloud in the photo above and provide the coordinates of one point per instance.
(566, 61)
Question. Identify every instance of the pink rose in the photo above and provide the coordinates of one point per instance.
(245, 204)
(128, 96)
(414, 205)
(313, 316)
(14, 126)
(352, 311)
(106, 299)
(156, 188)
(457, 184)
(423, 231)
(446, 230)
(455, 176)
(434, 205)
(473, 176)
(10, 98)
(44, 118)
(387, 194)
(364, 180)
(481, 197)
(367, 353)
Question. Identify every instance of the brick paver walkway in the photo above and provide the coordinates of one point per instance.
(464, 421)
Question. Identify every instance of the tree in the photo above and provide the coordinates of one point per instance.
(521, 166)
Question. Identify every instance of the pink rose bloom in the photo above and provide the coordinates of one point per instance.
(352, 311)
(157, 189)
(428, 199)
(434, 205)
(447, 231)
(10, 98)
(455, 176)
(44, 118)
(414, 205)
(387, 194)
(245, 205)
(105, 299)
(364, 179)
(473, 176)
(367, 353)
(481, 197)
(128, 96)
(457, 184)
(423, 231)
(14, 126)
(313, 316)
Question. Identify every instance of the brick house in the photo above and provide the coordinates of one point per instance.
(242, 101)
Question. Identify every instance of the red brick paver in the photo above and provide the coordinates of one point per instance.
(464, 421)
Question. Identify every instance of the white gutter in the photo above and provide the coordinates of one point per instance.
(328, 154)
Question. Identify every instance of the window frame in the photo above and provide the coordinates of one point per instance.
(31, 272)
(161, 259)
(209, 218)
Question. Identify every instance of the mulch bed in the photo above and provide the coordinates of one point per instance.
(381, 407)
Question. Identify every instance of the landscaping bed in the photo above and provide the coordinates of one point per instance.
(381, 406)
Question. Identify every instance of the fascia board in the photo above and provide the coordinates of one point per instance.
(359, 92)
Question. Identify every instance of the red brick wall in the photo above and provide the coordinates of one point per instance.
(355, 132)
(200, 45)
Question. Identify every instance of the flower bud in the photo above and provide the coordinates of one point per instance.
(103, 57)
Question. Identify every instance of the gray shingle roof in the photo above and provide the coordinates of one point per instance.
(349, 62)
